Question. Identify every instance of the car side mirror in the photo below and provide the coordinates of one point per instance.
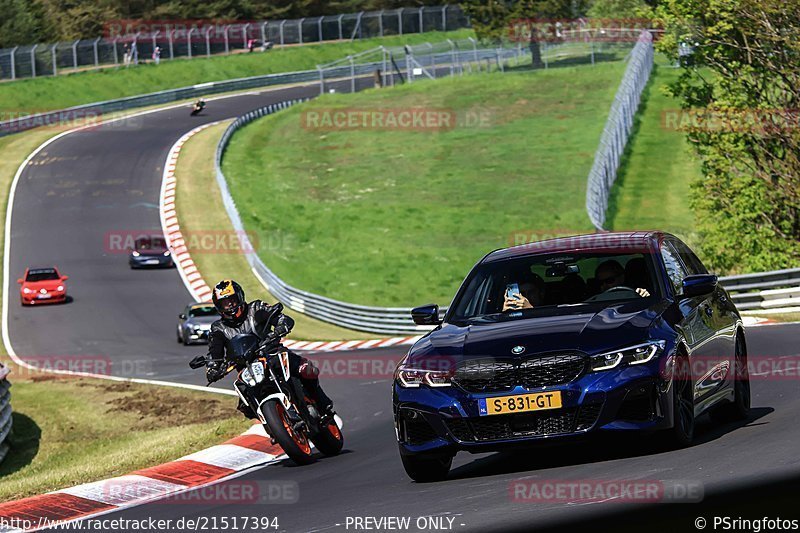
(426, 315)
(699, 285)
(20, 281)
(182, 316)
(64, 278)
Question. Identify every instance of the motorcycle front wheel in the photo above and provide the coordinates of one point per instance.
(330, 439)
(280, 426)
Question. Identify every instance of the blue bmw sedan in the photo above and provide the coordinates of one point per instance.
(609, 332)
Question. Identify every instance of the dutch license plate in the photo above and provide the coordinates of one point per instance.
(151, 262)
(520, 403)
(42, 296)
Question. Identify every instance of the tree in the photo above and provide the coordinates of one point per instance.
(495, 20)
(743, 72)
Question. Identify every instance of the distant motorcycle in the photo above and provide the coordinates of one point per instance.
(198, 107)
(264, 383)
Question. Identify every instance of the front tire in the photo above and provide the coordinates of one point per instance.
(294, 443)
(330, 439)
(426, 469)
(682, 432)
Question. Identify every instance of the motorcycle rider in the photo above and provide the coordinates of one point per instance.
(239, 317)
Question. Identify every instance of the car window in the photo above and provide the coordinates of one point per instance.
(42, 275)
(675, 269)
(691, 262)
(203, 311)
(564, 280)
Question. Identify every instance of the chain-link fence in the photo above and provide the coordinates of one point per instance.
(205, 40)
(617, 129)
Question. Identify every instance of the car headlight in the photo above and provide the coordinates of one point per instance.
(26, 290)
(166, 253)
(253, 374)
(408, 377)
(135, 253)
(632, 355)
(60, 288)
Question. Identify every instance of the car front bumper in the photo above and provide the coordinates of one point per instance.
(40, 299)
(447, 419)
(151, 261)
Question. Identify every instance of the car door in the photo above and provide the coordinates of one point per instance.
(696, 324)
(721, 315)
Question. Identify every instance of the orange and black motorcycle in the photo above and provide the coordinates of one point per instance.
(288, 414)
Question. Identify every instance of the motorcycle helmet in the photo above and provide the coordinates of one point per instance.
(228, 298)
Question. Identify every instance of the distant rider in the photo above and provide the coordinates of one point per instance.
(240, 317)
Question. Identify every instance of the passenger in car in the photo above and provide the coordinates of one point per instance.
(531, 289)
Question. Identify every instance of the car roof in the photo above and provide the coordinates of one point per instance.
(611, 240)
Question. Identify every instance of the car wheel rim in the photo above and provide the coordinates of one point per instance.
(299, 438)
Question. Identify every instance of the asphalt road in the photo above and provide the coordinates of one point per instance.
(89, 184)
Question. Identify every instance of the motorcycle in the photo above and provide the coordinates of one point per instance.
(197, 108)
(264, 384)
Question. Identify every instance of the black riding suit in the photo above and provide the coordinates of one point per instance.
(255, 315)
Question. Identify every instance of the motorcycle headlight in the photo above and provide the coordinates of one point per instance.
(632, 355)
(408, 377)
(253, 374)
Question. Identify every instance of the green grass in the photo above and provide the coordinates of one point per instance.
(200, 208)
(69, 431)
(58, 92)
(652, 187)
(398, 217)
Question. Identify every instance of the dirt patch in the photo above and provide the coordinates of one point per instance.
(159, 407)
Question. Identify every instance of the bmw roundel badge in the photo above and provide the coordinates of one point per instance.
(516, 350)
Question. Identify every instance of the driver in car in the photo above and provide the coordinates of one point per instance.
(610, 274)
(240, 317)
(531, 294)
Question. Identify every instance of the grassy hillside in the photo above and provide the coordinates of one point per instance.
(397, 216)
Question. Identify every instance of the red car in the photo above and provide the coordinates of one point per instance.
(42, 286)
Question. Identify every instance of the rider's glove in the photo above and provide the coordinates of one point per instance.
(214, 372)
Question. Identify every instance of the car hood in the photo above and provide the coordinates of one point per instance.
(49, 285)
(590, 329)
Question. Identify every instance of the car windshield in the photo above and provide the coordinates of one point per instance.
(203, 311)
(518, 287)
(45, 274)
(151, 243)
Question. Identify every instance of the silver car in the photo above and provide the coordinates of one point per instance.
(195, 322)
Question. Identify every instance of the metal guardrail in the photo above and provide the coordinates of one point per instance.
(617, 129)
(776, 290)
(204, 39)
(5, 411)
